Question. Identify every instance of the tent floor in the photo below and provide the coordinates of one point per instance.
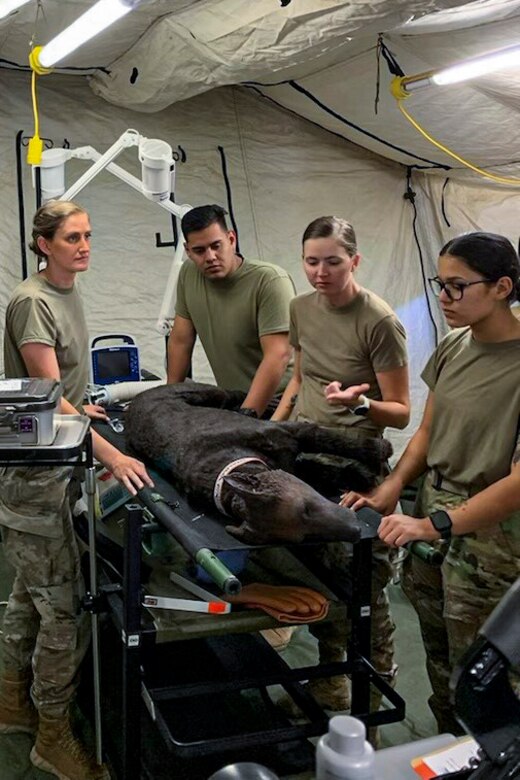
(290, 760)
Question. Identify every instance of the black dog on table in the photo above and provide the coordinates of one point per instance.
(245, 466)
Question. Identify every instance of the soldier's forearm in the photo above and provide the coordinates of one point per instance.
(265, 384)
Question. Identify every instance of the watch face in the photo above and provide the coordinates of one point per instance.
(363, 406)
(442, 523)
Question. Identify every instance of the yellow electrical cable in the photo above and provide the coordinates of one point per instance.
(481, 171)
(35, 105)
(398, 91)
(35, 147)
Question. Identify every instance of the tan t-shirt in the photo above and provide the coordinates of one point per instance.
(476, 409)
(231, 314)
(43, 314)
(348, 343)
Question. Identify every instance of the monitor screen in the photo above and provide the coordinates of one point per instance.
(113, 363)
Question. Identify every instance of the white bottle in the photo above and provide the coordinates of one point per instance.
(344, 753)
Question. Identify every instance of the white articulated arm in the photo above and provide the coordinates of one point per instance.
(152, 153)
(128, 138)
(89, 153)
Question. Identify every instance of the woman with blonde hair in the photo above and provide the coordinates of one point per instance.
(44, 637)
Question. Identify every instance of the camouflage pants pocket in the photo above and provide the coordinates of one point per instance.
(34, 500)
(478, 571)
(42, 621)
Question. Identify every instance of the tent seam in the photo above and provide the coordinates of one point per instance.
(259, 251)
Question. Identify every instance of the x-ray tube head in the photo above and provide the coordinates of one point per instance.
(52, 169)
(156, 168)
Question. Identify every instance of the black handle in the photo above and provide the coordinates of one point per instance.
(123, 336)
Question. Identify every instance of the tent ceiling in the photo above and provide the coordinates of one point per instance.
(314, 57)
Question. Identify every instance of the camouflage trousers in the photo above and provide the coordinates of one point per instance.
(332, 637)
(454, 600)
(42, 626)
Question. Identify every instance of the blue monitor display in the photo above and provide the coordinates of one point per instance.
(115, 364)
(110, 363)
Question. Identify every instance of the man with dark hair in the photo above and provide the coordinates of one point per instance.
(238, 308)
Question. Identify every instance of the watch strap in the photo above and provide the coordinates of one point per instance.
(442, 523)
(363, 407)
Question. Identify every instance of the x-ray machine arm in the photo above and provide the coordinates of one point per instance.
(158, 172)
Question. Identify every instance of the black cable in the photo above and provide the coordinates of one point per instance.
(228, 194)
(21, 207)
(443, 203)
(70, 68)
(251, 85)
(378, 72)
(393, 66)
(359, 129)
(410, 195)
(38, 185)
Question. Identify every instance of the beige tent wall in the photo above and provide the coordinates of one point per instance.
(283, 173)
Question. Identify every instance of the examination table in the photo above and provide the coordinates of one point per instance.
(204, 677)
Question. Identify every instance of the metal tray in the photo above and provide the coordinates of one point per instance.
(68, 444)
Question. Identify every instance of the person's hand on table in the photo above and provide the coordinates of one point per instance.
(382, 499)
(95, 412)
(130, 472)
(397, 530)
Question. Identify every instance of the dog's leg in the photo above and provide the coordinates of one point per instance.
(315, 438)
(246, 534)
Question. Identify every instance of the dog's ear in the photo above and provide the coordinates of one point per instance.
(250, 487)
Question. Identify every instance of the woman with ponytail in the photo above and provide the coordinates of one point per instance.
(45, 635)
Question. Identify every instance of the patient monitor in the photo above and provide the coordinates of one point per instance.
(114, 362)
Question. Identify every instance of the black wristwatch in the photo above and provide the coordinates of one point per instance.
(441, 521)
(247, 412)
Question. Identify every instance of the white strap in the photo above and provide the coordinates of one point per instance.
(219, 482)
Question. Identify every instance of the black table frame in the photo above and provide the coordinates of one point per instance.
(126, 611)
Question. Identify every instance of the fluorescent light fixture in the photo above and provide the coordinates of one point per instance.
(98, 18)
(402, 86)
(6, 6)
(479, 66)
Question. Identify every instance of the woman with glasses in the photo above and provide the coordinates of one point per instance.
(468, 448)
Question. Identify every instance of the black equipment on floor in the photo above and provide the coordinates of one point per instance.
(485, 702)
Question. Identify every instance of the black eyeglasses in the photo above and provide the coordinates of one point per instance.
(454, 290)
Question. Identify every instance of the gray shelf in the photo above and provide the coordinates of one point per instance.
(67, 446)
